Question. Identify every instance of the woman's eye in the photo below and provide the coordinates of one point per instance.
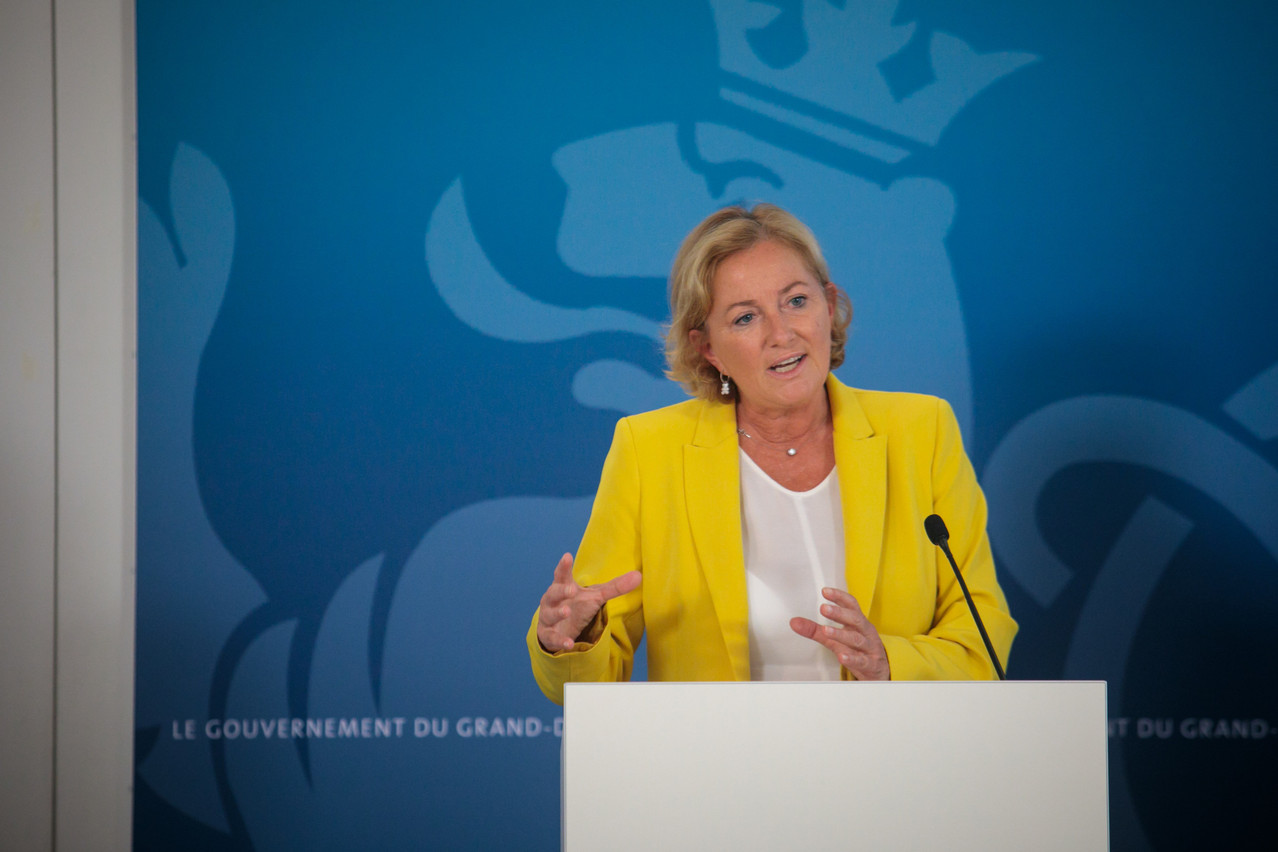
(798, 301)
(743, 319)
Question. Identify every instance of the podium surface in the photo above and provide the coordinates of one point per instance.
(880, 766)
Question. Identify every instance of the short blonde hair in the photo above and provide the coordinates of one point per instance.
(719, 236)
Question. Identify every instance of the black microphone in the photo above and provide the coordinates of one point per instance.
(940, 536)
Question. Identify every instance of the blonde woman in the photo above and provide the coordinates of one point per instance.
(771, 528)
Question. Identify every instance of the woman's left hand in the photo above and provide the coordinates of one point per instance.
(856, 643)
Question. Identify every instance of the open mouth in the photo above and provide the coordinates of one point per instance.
(788, 365)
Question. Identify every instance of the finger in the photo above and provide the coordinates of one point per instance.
(562, 586)
(565, 623)
(805, 627)
(552, 613)
(867, 666)
(552, 600)
(861, 666)
(838, 597)
(618, 586)
(553, 640)
(834, 638)
(563, 571)
(857, 632)
(861, 653)
(853, 619)
(848, 638)
(861, 660)
(809, 629)
(837, 639)
(553, 626)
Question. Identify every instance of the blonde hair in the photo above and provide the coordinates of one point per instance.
(719, 236)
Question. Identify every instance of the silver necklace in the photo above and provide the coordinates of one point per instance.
(790, 452)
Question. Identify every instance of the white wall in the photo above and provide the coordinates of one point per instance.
(26, 424)
(67, 401)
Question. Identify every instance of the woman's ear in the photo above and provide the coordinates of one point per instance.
(831, 297)
(701, 342)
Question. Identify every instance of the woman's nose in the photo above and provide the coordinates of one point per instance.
(779, 330)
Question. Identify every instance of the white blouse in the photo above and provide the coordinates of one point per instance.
(793, 548)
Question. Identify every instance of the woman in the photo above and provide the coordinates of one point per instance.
(778, 493)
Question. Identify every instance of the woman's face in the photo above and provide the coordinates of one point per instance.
(769, 328)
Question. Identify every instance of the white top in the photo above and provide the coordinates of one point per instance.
(793, 544)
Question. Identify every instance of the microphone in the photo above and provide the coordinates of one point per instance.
(940, 536)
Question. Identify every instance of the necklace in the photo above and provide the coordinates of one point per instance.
(790, 452)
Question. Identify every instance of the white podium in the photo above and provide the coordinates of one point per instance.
(658, 767)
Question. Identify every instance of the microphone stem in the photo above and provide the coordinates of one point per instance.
(980, 625)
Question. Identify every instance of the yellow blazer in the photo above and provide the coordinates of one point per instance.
(669, 504)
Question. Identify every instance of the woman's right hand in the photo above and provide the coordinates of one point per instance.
(567, 608)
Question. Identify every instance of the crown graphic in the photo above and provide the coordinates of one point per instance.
(818, 65)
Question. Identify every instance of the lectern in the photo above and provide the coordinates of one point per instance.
(1016, 765)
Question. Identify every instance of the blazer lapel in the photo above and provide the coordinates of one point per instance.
(861, 457)
(712, 482)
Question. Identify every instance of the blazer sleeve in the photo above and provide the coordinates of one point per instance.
(610, 547)
(952, 649)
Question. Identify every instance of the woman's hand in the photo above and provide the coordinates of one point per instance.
(567, 608)
(856, 644)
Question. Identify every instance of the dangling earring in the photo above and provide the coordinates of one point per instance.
(724, 388)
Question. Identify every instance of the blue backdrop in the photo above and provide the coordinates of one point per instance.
(402, 265)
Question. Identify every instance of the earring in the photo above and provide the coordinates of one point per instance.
(724, 387)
